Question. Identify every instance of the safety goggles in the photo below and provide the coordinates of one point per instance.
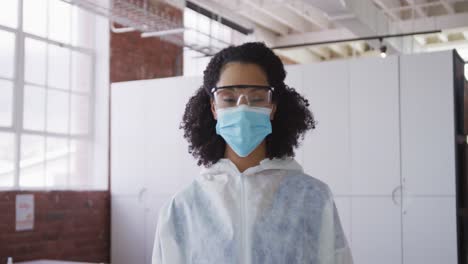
(234, 95)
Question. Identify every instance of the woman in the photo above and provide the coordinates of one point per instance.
(252, 203)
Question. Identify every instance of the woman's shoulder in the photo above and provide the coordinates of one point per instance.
(182, 198)
(303, 182)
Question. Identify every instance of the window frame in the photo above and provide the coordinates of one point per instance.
(18, 79)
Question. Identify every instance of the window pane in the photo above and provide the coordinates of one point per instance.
(58, 71)
(79, 114)
(57, 111)
(6, 103)
(190, 36)
(32, 161)
(7, 54)
(34, 108)
(9, 13)
(203, 40)
(216, 31)
(226, 34)
(80, 157)
(35, 17)
(35, 61)
(190, 18)
(59, 21)
(81, 72)
(57, 154)
(7, 155)
(83, 25)
(204, 24)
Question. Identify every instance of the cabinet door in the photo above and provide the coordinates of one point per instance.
(127, 230)
(427, 123)
(169, 165)
(326, 149)
(429, 230)
(128, 123)
(374, 126)
(343, 205)
(152, 210)
(294, 80)
(376, 230)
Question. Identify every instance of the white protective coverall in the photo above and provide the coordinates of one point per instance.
(271, 213)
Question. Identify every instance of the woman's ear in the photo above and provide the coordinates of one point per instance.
(273, 111)
(213, 109)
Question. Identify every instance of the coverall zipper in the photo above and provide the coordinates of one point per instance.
(243, 223)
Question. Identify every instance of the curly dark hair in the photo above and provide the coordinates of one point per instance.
(291, 120)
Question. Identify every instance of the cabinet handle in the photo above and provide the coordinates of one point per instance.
(141, 194)
(394, 194)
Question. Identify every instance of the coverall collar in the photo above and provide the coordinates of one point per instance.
(225, 165)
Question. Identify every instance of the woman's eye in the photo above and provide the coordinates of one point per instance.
(229, 100)
(257, 100)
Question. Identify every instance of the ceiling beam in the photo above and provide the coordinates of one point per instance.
(418, 8)
(299, 55)
(448, 6)
(288, 17)
(319, 36)
(255, 15)
(420, 39)
(436, 23)
(386, 10)
(308, 12)
(445, 46)
(465, 34)
(340, 49)
(442, 37)
(226, 11)
(322, 52)
(358, 46)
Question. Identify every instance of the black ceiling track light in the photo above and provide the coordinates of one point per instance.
(383, 48)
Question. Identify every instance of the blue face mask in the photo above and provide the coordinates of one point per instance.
(243, 127)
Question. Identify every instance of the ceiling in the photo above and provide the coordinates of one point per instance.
(291, 22)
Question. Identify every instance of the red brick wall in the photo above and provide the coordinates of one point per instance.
(68, 225)
(137, 58)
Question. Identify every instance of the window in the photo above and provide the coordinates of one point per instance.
(47, 95)
(207, 34)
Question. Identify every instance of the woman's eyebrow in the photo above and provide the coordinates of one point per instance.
(254, 89)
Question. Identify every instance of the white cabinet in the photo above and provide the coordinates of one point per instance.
(355, 150)
(374, 125)
(385, 136)
(327, 148)
(428, 158)
(150, 160)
